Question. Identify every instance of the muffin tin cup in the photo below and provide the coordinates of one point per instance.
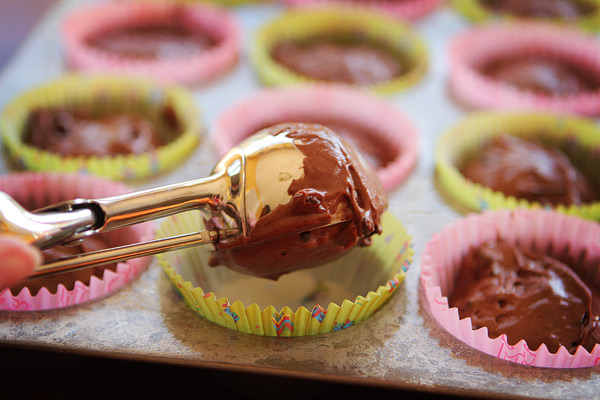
(103, 95)
(471, 49)
(410, 10)
(306, 23)
(386, 124)
(307, 302)
(538, 230)
(579, 138)
(35, 190)
(88, 20)
(474, 11)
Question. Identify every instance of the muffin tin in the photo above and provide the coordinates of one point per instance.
(402, 346)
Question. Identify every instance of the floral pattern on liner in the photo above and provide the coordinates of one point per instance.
(60, 187)
(470, 50)
(381, 266)
(538, 229)
(336, 103)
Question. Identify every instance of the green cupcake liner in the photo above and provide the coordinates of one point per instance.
(474, 11)
(302, 24)
(103, 95)
(320, 300)
(578, 138)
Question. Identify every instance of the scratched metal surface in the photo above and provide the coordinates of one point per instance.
(399, 347)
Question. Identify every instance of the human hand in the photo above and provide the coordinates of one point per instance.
(17, 260)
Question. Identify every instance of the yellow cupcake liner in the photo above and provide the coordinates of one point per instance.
(579, 138)
(103, 95)
(302, 24)
(474, 11)
(327, 298)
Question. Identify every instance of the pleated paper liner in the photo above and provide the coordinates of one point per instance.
(476, 12)
(216, 22)
(35, 190)
(304, 24)
(376, 121)
(473, 48)
(539, 230)
(410, 10)
(578, 138)
(105, 95)
(320, 300)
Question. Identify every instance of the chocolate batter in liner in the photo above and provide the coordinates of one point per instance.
(526, 295)
(79, 133)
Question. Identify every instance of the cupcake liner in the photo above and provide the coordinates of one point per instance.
(578, 138)
(409, 10)
(474, 11)
(327, 298)
(92, 19)
(104, 95)
(471, 49)
(539, 230)
(36, 190)
(306, 23)
(383, 123)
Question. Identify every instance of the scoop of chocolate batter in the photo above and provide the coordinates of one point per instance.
(75, 133)
(559, 9)
(348, 60)
(528, 170)
(542, 75)
(334, 182)
(525, 295)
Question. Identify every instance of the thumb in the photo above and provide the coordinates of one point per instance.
(17, 260)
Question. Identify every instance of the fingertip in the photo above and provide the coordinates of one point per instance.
(17, 260)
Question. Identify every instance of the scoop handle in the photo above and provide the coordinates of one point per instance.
(123, 253)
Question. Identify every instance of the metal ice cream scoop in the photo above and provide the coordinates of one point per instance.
(249, 179)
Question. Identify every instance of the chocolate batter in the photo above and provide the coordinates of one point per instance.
(152, 42)
(334, 180)
(349, 60)
(542, 75)
(528, 170)
(75, 133)
(557, 9)
(525, 295)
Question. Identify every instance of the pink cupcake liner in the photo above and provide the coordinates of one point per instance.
(536, 229)
(91, 19)
(40, 189)
(410, 10)
(389, 127)
(474, 47)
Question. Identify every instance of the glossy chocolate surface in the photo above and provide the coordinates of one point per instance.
(528, 170)
(152, 42)
(560, 9)
(525, 295)
(542, 75)
(335, 181)
(75, 133)
(351, 60)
